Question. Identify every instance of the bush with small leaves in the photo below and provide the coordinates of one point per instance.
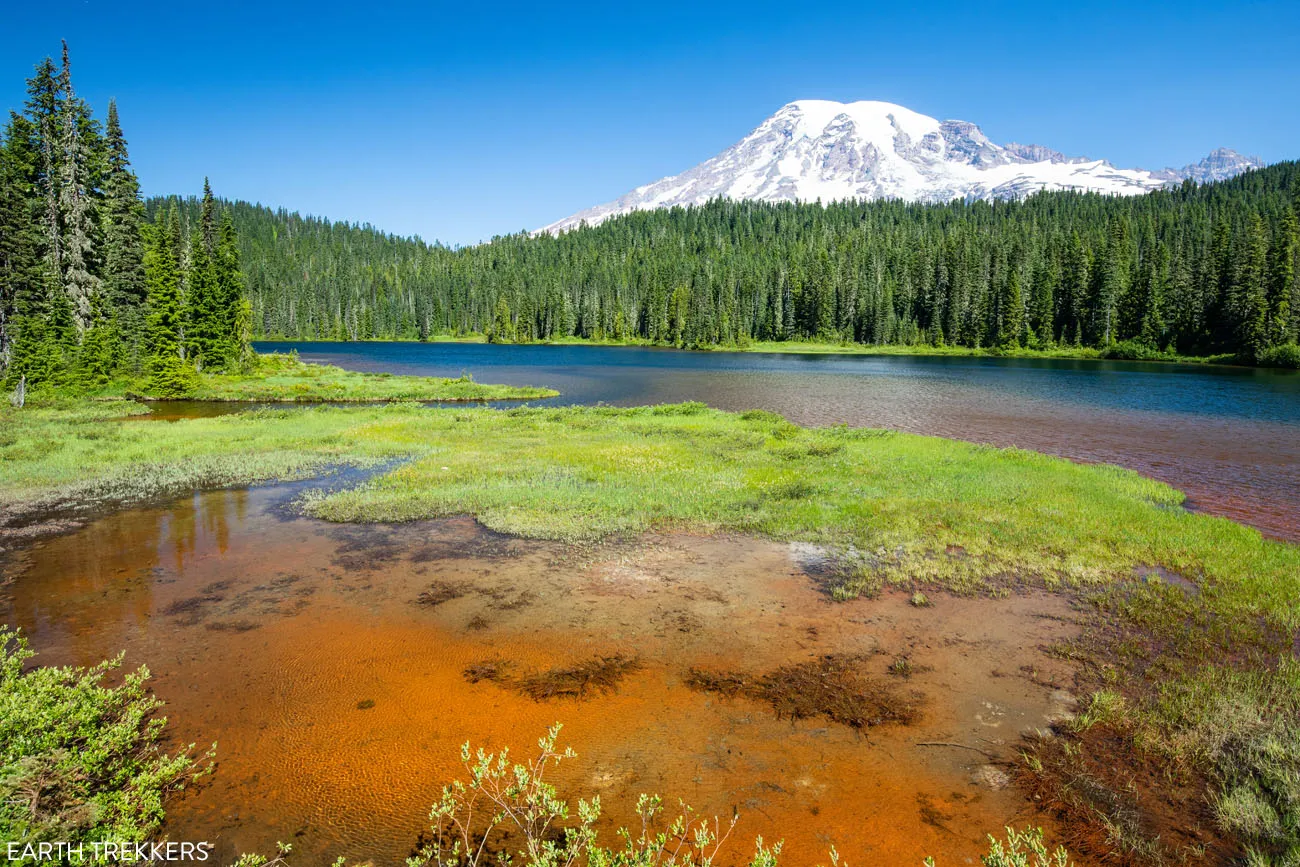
(1020, 849)
(80, 761)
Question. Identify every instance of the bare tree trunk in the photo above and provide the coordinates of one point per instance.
(19, 396)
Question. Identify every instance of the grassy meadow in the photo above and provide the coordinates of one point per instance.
(281, 377)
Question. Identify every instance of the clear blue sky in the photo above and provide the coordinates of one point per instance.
(457, 123)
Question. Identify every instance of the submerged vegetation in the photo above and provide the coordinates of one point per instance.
(580, 680)
(831, 687)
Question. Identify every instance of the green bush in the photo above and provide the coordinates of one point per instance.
(1133, 350)
(1286, 355)
(1020, 849)
(172, 378)
(80, 761)
(507, 812)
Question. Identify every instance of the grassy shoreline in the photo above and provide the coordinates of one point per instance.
(793, 347)
(283, 378)
(1192, 621)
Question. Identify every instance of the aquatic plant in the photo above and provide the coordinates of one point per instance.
(579, 680)
(831, 687)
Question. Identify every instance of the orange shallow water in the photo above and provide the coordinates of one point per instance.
(264, 632)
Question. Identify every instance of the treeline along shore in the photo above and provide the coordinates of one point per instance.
(1195, 271)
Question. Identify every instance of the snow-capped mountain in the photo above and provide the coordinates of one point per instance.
(821, 150)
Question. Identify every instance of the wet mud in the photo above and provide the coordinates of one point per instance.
(339, 669)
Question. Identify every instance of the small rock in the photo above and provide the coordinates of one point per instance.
(990, 776)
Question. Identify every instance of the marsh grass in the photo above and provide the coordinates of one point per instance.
(282, 377)
(279, 377)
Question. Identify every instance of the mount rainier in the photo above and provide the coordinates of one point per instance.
(821, 150)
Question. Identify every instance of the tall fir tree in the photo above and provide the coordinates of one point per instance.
(78, 254)
(1282, 288)
(163, 331)
(1249, 308)
(123, 220)
(208, 220)
(235, 313)
(202, 318)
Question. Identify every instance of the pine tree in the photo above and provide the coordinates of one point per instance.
(1074, 290)
(163, 328)
(1250, 308)
(78, 255)
(1151, 327)
(234, 312)
(502, 328)
(1281, 282)
(44, 111)
(208, 220)
(123, 218)
(1042, 303)
(21, 278)
(203, 313)
(1011, 311)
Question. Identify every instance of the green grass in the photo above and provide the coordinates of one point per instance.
(895, 506)
(282, 377)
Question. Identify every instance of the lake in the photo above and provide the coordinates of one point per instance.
(1228, 437)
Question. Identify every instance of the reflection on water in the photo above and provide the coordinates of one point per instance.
(1228, 437)
(273, 635)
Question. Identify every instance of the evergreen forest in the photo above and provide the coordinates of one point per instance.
(90, 289)
(1201, 270)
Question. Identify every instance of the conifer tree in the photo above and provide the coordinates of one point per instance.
(82, 290)
(208, 220)
(1042, 303)
(163, 331)
(21, 280)
(1282, 288)
(1011, 310)
(1250, 300)
(235, 314)
(78, 253)
(1151, 327)
(123, 219)
(502, 329)
(203, 314)
(44, 101)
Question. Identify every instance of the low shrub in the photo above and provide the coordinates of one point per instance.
(1286, 355)
(80, 760)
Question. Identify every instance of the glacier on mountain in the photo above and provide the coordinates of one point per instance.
(819, 150)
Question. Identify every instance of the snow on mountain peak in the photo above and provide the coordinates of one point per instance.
(821, 150)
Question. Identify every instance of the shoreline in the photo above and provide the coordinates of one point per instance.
(813, 348)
